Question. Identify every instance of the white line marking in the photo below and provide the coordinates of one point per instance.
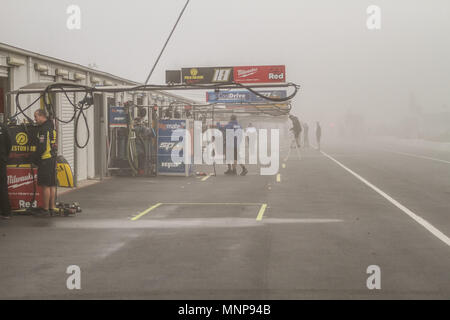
(438, 234)
(417, 156)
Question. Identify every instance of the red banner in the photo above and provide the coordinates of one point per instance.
(260, 74)
(22, 185)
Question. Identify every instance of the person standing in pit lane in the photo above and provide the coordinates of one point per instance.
(5, 149)
(234, 125)
(318, 134)
(305, 135)
(45, 159)
(296, 129)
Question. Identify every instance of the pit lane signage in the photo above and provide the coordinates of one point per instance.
(24, 142)
(259, 74)
(243, 74)
(118, 118)
(166, 147)
(207, 75)
(173, 76)
(23, 190)
(243, 96)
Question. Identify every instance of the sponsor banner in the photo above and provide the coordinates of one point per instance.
(165, 165)
(256, 107)
(259, 74)
(166, 127)
(24, 142)
(118, 118)
(166, 146)
(173, 76)
(207, 75)
(243, 96)
(22, 183)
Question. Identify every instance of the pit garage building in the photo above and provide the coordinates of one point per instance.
(19, 67)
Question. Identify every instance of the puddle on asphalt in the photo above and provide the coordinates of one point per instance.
(184, 223)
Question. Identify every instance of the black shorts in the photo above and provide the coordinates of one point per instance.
(47, 173)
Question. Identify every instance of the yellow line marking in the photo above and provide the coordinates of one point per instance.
(206, 178)
(279, 177)
(261, 212)
(146, 211)
(283, 165)
(259, 218)
(211, 203)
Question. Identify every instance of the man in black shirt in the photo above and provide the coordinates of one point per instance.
(143, 144)
(305, 135)
(296, 129)
(5, 149)
(45, 158)
(318, 134)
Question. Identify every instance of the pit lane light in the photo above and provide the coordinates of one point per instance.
(15, 61)
(62, 72)
(79, 76)
(95, 80)
(40, 67)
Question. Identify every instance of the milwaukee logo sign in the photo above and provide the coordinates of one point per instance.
(23, 190)
(260, 74)
(246, 73)
(15, 182)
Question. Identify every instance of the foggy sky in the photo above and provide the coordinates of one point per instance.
(325, 45)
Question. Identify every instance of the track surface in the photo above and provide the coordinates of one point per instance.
(321, 229)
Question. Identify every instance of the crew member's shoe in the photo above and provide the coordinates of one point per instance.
(231, 172)
(5, 216)
(244, 171)
(41, 213)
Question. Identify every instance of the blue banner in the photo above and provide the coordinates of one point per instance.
(243, 96)
(118, 118)
(166, 146)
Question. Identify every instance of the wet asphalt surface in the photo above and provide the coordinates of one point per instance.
(319, 230)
